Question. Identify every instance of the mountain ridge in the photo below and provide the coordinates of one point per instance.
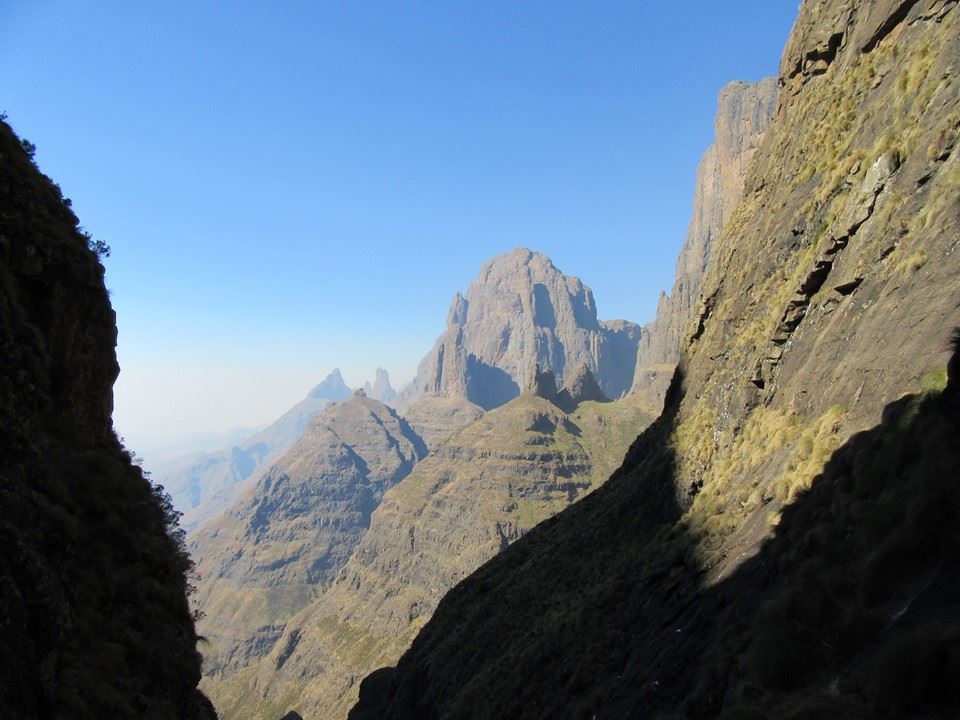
(779, 542)
(287, 537)
(203, 487)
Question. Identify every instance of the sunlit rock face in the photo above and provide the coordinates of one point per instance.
(744, 111)
(521, 312)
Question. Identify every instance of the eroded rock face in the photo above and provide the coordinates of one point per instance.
(521, 312)
(273, 551)
(744, 112)
(94, 618)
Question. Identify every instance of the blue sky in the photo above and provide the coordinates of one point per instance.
(288, 187)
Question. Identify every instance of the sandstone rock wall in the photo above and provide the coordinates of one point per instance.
(520, 312)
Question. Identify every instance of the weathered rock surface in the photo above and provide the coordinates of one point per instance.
(782, 542)
(204, 487)
(287, 538)
(473, 496)
(744, 111)
(94, 619)
(521, 312)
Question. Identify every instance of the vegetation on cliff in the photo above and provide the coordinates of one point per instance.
(768, 549)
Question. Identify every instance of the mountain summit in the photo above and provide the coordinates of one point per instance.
(332, 388)
(204, 486)
(520, 312)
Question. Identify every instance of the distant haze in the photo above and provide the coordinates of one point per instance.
(289, 191)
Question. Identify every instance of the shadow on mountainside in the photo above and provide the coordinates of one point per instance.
(850, 609)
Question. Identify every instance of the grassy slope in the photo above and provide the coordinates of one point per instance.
(619, 606)
(488, 485)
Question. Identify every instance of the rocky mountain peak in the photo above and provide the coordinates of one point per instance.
(457, 315)
(332, 388)
(381, 389)
(521, 312)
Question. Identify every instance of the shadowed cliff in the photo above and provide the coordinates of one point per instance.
(850, 609)
(94, 620)
(802, 566)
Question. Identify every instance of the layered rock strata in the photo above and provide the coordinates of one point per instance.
(281, 544)
(472, 497)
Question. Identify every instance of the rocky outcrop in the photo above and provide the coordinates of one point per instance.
(521, 312)
(472, 497)
(281, 544)
(204, 487)
(744, 112)
(783, 549)
(381, 389)
(582, 387)
(542, 384)
(94, 618)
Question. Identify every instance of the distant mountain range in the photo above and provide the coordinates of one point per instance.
(278, 547)
(204, 486)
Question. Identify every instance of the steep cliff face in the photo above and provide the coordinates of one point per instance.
(782, 541)
(473, 496)
(204, 487)
(94, 620)
(744, 112)
(521, 312)
(273, 551)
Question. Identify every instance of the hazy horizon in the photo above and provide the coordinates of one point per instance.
(290, 192)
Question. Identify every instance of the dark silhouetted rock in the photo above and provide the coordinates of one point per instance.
(94, 617)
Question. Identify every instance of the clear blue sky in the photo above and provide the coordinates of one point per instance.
(293, 186)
